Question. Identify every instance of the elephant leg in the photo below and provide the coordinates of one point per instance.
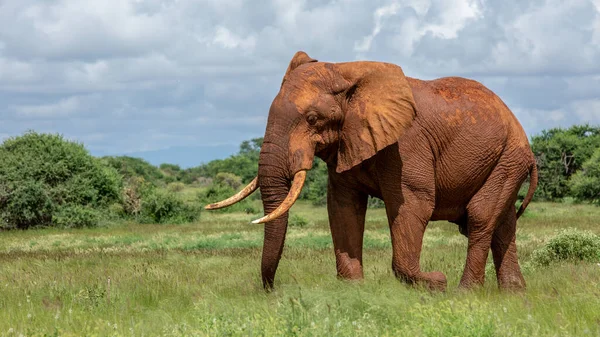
(480, 238)
(487, 215)
(482, 217)
(504, 251)
(407, 226)
(347, 208)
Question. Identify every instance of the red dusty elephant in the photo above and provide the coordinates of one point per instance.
(445, 149)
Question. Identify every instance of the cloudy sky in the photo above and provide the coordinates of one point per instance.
(195, 78)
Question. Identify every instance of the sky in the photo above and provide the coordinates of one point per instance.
(185, 81)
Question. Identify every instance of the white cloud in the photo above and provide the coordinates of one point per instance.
(75, 29)
(587, 110)
(15, 71)
(455, 15)
(379, 16)
(229, 40)
(449, 18)
(63, 108)
(555, 37)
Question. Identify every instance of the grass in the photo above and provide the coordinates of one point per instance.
(203, 280)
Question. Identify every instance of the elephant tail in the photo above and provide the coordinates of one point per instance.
(533, 181)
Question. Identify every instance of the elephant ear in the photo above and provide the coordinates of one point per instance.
(380, 108)
(299, 59)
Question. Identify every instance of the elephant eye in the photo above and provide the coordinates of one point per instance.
(311, 119)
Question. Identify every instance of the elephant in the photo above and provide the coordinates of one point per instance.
(443, 149)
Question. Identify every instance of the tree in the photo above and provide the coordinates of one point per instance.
(585, 184)
(243, 164)
(251, 148)
(46, 180)
(559, 154)
(131, 167)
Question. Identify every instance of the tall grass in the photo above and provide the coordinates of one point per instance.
(203, 280)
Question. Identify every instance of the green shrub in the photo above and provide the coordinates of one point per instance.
(42, 174)
(171, 172)
(228, 179)
(116, 211)
(161, 207)
(28, 205)
(146, 203)
(560, 153)
(569, 245)
(296, 220)
(135, 189)
(130, 167)
(176, 187)
(75, 216)
(585, 184)
(244, 164)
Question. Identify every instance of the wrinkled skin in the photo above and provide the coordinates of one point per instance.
(446, 149)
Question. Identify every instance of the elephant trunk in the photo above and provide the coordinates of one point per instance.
(274, 238)
(274, 187)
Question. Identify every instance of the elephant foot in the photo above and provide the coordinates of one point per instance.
(268, 281)
(348, 268)
(268, 285)
(433, 281)
(511, 282)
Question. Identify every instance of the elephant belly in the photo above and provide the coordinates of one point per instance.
(462, 169)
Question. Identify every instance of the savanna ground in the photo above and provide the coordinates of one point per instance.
(203, 279)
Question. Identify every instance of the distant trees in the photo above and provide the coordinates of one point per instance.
(130, 167)
(244, 164)
(585, 184)
(171, 172)
(48, 181)
(563, 158)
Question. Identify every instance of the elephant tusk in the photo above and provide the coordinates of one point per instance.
(289, 201)
(246, 191)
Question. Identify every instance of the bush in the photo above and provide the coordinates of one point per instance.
(75, 216)
(165, 207)
(296, 220)
(244, 164)
(560, 153)
(203, 182)
(171, 171)
(569, 245)
(228, 179)
(585, 184)
(147, 203)
(44, 178)
(176, 187)
(28, 205)
(130, 167)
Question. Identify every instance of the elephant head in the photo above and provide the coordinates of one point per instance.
(342, 112)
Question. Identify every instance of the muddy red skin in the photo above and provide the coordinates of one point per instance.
(447, 149)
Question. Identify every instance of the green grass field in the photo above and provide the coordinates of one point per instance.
(203, 280)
